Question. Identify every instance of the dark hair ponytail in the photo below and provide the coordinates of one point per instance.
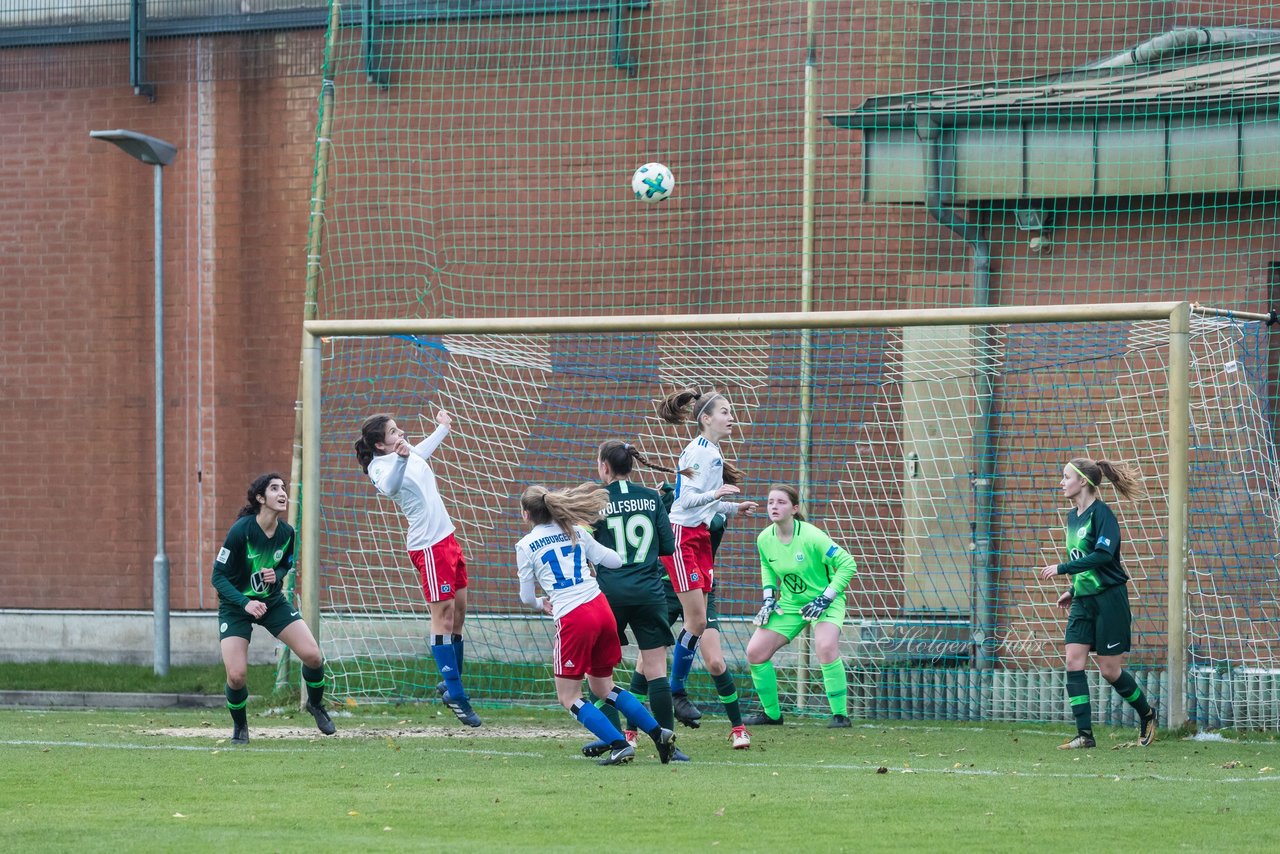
(257, 489)
(621, 458)
(690, 405)
(372, 431)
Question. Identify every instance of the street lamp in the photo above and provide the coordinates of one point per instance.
(157, 153)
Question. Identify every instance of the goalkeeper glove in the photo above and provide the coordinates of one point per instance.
(814, 609)
(768, 607)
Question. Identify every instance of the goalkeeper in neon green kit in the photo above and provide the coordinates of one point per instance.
(804, 575)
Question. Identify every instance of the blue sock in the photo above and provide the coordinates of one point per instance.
(634, 711)
(447, 663)
(593, 719)
(682, 660)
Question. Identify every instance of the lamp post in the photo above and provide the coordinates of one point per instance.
(157, 153)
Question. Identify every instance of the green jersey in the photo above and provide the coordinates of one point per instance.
(801, 569)
(237, 570)
(1093, 550)
(635, 526)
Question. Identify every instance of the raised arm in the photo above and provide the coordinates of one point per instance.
(427, 446)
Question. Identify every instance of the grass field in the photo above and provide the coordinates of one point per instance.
(411, 778)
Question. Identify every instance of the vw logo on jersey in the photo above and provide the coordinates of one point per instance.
(799, 557)
(279, 554)
(794, 583)
(446, 588)
(1083, 532)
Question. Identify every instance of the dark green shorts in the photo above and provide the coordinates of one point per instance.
(235, 622)
(648, 622)
(675, 612)
(1102, 621)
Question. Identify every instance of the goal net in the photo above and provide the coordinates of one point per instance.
(932, 453)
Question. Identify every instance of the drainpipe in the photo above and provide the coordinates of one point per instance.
(982, 568)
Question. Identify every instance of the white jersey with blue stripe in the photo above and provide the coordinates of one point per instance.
(695, 499)
(560, 567)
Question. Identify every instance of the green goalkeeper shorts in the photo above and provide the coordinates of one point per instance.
(790, 625)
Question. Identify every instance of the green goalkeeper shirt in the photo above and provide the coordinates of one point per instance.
(802, 569)
(247, 551)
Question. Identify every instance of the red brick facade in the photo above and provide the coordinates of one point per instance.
(76, 258)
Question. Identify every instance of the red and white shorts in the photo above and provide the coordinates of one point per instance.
(587, 641)
(690, 566)
(442, 569)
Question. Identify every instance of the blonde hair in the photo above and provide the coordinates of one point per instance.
(579, 505)
(1126, 477)
(690, 405)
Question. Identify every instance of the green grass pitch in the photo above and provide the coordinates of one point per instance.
(411, 778)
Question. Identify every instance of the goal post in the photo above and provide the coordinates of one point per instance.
(886, 410)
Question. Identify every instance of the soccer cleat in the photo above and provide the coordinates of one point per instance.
(595, 748)
(1080, 742)
(241, 734)
(630, 736)
(740, 737)
(323, 722)
(839, 722)
(686, 712)
(461, 707)
(665, 741)
(1147, 729)
(619, 755)
(678, 755)
(441, 688)
(762, 719)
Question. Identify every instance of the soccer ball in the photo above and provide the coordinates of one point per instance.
(653, 182)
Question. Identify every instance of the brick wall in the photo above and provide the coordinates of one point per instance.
(76, 507)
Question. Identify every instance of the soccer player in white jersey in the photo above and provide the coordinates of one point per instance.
(703, 481)
(400, 471)
(557, 555)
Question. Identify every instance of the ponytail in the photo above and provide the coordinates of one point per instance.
(621, 458)
(691, 405)
(372, 431)
(580, 505)
(1126, 477)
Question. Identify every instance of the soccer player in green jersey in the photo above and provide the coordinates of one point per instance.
(248, 574)
(1099, 620)
(804, 574)
(636, 526)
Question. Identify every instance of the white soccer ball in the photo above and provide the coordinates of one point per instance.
(653, 182)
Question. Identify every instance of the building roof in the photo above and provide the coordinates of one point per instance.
(1216, 78)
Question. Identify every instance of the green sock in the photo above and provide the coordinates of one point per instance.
(1078, 697)
(660, 702)
(314, 680)
(765, 678)
(728, 693)
(609, 710)
(640, 685)
(836, 681)
(237, 699)
(1126, 686)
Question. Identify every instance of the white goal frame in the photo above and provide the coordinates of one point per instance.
(1176, 314)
